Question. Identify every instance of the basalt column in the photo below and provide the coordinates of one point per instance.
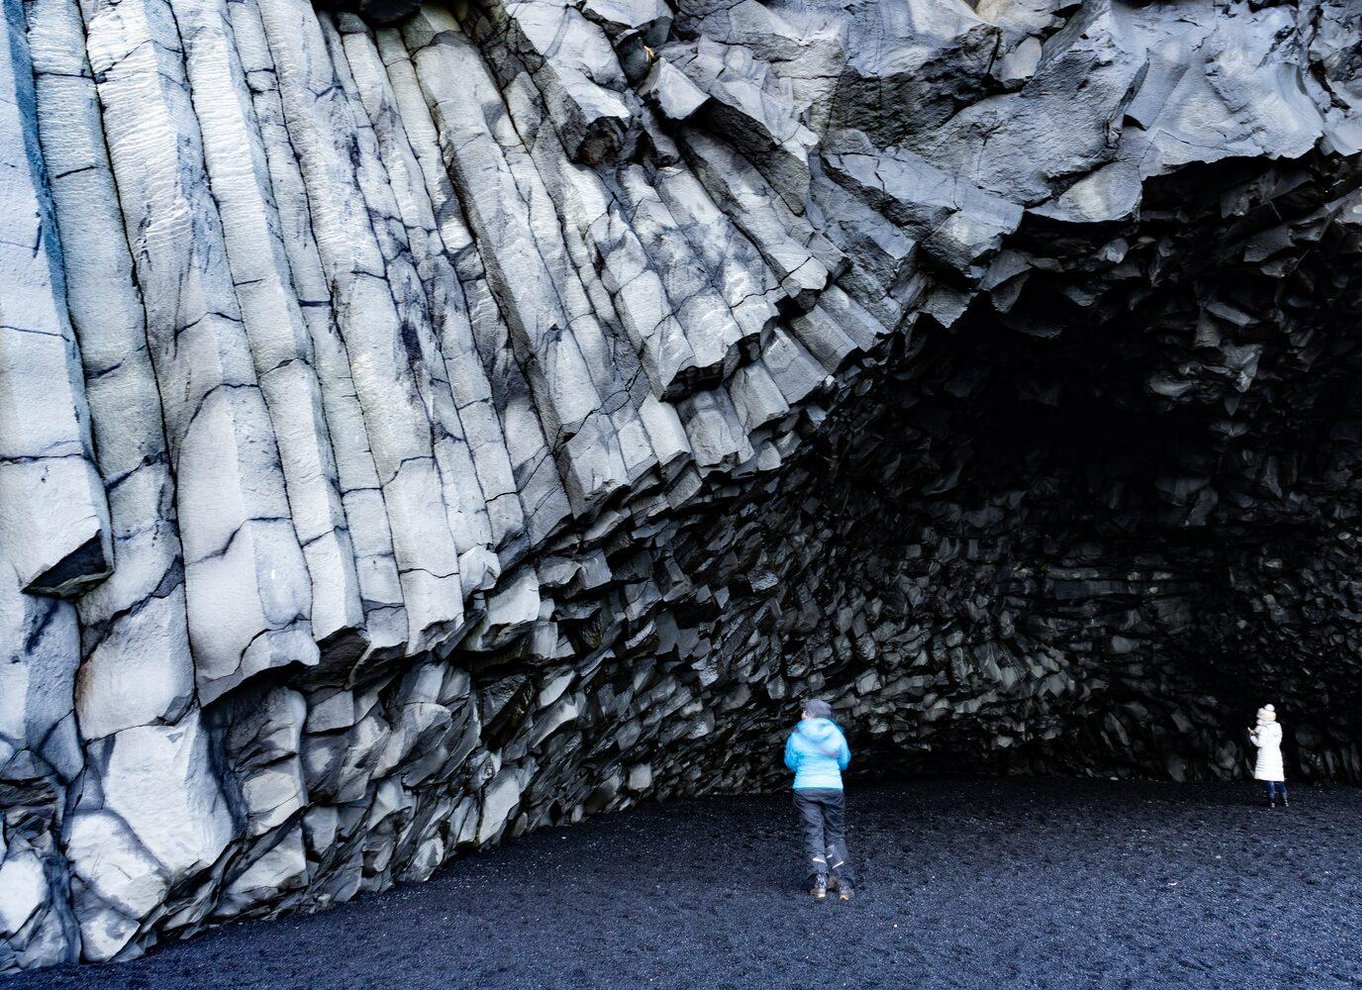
(424, 422)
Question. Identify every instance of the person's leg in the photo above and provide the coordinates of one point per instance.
(1271, 793)
(811, 822)
(834, 825)
(1281, 792)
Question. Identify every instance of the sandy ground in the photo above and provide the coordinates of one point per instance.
(964, 883)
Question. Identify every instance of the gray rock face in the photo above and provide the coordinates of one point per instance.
(421, 425)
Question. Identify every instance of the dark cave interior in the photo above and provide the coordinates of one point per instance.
(1132, 494)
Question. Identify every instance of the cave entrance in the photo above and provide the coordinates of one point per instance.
(1105, 515)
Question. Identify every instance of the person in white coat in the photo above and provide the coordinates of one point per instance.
(1267, 736)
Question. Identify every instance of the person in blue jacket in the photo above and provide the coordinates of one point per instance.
(817, 752)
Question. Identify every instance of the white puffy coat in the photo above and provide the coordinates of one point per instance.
(1268, 739)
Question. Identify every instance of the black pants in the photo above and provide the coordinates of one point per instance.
(825, 846)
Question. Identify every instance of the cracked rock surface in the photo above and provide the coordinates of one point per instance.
(421, 423)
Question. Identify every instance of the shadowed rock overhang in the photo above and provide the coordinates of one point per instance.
(420, 423)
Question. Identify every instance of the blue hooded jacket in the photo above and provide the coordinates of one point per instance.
(817, 752)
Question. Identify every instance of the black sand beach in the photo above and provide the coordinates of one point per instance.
(964, 883)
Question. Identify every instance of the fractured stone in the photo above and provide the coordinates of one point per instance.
(420, 424)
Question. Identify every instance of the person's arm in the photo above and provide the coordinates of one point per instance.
(791, 755)
(844, 755)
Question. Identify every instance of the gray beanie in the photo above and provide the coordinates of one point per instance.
(818, 709)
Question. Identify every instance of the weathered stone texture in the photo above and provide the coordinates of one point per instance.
(421, 423)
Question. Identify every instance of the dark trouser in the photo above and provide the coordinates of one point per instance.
(825, 847)
(1275, 789)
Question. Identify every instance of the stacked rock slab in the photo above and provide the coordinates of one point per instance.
(421, 423)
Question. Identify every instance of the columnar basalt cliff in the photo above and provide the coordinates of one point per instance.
(420, 423)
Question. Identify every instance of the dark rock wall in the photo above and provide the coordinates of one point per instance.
(421, 426)
(1070, 528)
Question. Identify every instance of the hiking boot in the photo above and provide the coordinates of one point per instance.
(845, 892)
(820, 888)
(1286, 803)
